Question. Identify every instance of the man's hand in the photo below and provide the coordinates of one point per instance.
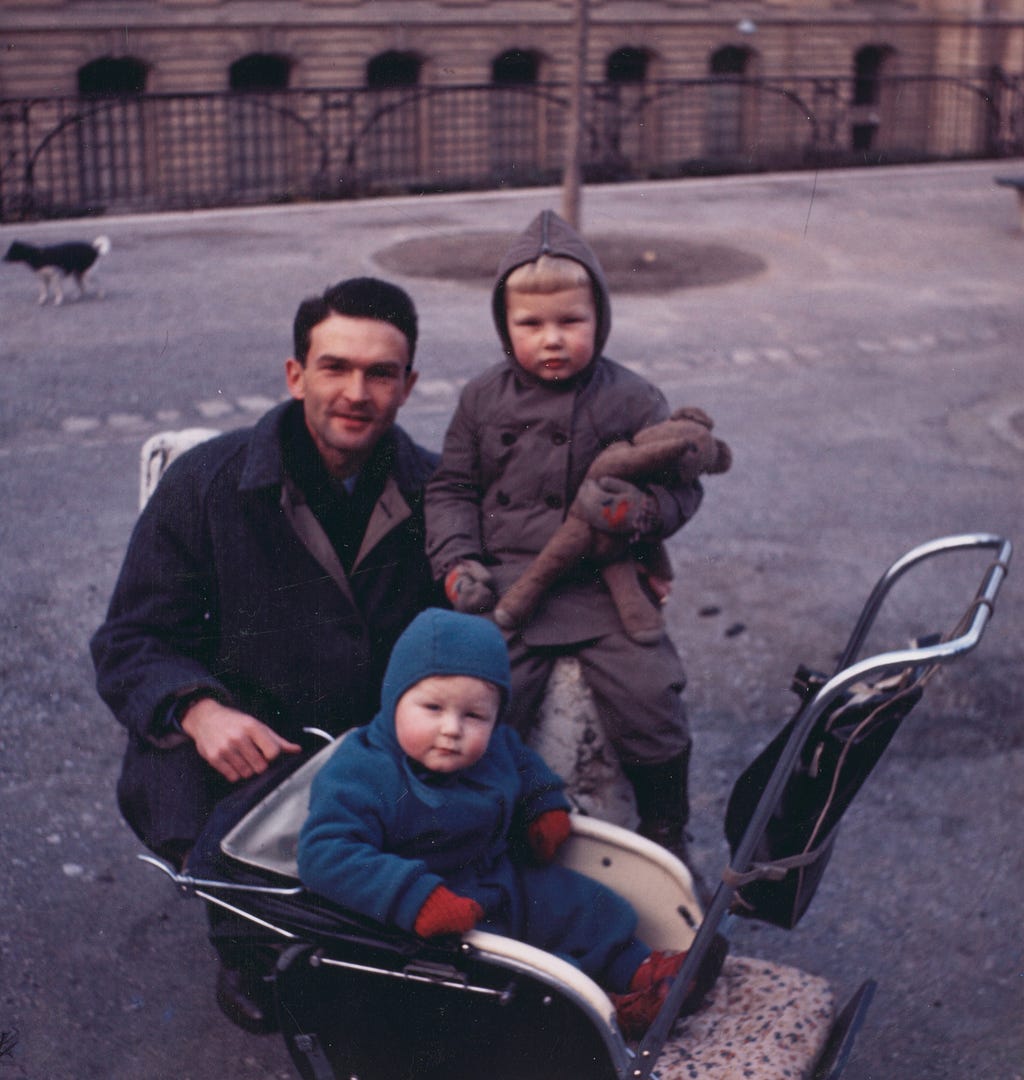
(235, 744)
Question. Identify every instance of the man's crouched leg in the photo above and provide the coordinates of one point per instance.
(245, 986)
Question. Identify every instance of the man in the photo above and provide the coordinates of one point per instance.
(265, 584)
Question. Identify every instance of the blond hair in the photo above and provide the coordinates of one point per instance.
(548, 274)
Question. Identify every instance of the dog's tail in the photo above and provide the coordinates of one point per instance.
(101, 244)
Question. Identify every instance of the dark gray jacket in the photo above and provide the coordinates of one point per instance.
(517, 450)
(231, 586)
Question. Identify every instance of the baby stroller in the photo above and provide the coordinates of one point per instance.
(356, 1000)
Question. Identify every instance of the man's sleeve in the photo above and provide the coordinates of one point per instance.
(160, 633)
(454, 495)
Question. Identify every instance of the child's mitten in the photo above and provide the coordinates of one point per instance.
(445, 912)
(470, 587)
(611, 505)
(547, 834)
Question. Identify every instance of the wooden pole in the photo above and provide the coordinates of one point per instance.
(572, 177)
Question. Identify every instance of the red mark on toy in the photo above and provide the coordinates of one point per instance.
(615, 515)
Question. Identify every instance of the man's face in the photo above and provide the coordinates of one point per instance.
(445, 722)
(352, 385)
(552, 334)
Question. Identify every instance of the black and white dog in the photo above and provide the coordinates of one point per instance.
(73, 260)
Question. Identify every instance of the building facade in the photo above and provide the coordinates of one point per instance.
(194, 102)
(52, 47)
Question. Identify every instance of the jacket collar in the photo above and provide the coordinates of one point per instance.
(263, 463)
(264, 466)
(264, 469)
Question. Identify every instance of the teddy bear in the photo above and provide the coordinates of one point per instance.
(683, 443)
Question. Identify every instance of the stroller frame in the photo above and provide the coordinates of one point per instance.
(848, 672)
(562, 1009)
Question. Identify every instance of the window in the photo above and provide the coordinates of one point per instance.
(869, 64)
(393, 69)
(730, 60)
(260, 150)
(110, 130)
(729, 101)
(867, 70)
(627, 65)
(112, 77)
(515, 115)
(625, 119)
(394, 127)
(515, 68)
(260, 71)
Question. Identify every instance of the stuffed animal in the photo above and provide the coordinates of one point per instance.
(682, 443)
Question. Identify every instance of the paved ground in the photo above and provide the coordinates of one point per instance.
(870, 383)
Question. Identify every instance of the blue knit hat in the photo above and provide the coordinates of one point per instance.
(439, 642)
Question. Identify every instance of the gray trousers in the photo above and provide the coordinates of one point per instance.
(637, 690)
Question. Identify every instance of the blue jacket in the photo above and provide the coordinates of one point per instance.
(382, 833)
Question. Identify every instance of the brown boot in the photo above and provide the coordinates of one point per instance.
(663, 803)
(246, 999)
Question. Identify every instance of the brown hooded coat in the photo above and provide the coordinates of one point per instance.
(518, 448)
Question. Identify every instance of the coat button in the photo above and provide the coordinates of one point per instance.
(558, 439)
(502, 499)
(554, 501)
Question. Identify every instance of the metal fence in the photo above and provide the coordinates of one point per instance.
(73, 156)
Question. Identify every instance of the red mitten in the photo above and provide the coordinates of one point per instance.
(547, 834)
(445, 912)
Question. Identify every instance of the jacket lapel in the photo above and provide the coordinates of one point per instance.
(389, 512)
(311, 533)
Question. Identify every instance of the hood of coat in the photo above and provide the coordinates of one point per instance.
(548, 234)
(438, 642)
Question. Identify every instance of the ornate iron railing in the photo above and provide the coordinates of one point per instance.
(71, 156)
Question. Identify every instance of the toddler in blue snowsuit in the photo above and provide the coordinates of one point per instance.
(417, 821)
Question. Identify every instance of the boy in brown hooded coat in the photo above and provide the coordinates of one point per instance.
(514, 459)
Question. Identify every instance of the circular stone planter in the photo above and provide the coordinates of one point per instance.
(631, 263)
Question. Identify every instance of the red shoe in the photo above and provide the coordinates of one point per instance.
(637, 1010)
(656, 968)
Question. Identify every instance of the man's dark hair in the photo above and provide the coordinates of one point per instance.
(358, 298)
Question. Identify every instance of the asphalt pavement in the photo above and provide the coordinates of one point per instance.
(869, 380)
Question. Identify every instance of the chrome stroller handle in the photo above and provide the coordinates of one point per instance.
(968, 633)
(982, 604)
(190, 886)
(325, 736)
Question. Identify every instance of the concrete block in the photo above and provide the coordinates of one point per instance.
(571, 738)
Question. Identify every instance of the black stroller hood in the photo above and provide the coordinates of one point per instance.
(844, 745)
(784, 809)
